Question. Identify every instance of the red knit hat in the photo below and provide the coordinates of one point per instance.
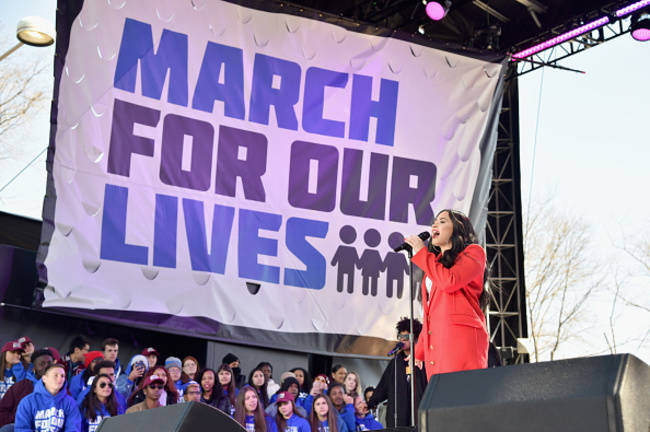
(92, 355)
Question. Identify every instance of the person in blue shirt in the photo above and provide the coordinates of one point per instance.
(99, 403)
(364, 420)
(287, 418)
(79, 383)
(324, 417)
(343, 405)
(127, 383)
(249, 412)
(11, 369)
(49, 408)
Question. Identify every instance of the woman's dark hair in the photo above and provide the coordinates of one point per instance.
(240, 409)
(230, 389)
(216, 390)
(279, 418)
(404, 324)
(3, 365)
(262, 393)
(91, 406)
(170, 386)
(332, 417)
(307, 382)
(462, 236)
(336, 367)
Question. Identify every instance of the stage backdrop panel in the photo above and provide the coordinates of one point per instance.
(245, 174)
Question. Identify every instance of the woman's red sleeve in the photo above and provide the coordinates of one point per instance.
(468, 266)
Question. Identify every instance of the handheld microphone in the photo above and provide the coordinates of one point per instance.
(405, 246)
(398, 347)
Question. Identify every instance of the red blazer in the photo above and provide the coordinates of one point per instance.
(454, 335)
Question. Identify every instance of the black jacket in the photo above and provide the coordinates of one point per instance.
(385, 390)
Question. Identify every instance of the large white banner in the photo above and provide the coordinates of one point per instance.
(252, 168)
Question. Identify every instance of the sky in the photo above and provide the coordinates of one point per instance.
(583, 136)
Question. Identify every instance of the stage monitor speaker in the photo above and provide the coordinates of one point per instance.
(183, 417)
(609, 393)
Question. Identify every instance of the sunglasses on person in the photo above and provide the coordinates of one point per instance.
(104, 384)
(402, 337)
(156, 386)
(194, 392)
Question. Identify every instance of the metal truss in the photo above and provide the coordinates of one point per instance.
(552, 56)
(504, 238)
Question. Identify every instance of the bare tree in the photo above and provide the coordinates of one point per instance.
(23, 92)
(561, 276)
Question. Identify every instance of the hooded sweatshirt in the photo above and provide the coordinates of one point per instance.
(42, 412)
(368, 423)
(92, 425)
(123, 384)
(295, 423)
(12, 376)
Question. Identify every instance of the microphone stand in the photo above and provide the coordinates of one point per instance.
(395, 387)
(412, 347)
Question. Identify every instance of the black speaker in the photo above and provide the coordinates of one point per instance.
(609, 393)
(184, 417)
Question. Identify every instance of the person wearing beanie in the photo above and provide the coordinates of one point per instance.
(175, 368)
(41, 359)
(233, 361)
(78, 383)
(127, 382)
(290, 386)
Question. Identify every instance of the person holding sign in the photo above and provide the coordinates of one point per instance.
(454, 335)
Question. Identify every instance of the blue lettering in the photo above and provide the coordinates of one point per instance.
(314, 102)
(202, 260)
(137, 46)
(113, 238)
(251, 245)
(363, 107)
(227, 62)
(297, 232)
(165, 232)
(263, 95)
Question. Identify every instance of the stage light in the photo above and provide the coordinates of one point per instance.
(641, 26)
(437, 10)
(35, 31)
(561, 38)
(632, 8)
(421, 29)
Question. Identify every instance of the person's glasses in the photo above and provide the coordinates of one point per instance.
(103, 385)
(156, 386)
(193, 392)
(402, 337)
(321, 379)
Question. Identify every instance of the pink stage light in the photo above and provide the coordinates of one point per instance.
(561, 38)
(642, 34)
(632, 8)
(436, 11)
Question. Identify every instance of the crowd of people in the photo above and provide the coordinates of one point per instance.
(43, 391)
(40, 390)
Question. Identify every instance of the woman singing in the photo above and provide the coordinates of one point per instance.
(454, 335)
